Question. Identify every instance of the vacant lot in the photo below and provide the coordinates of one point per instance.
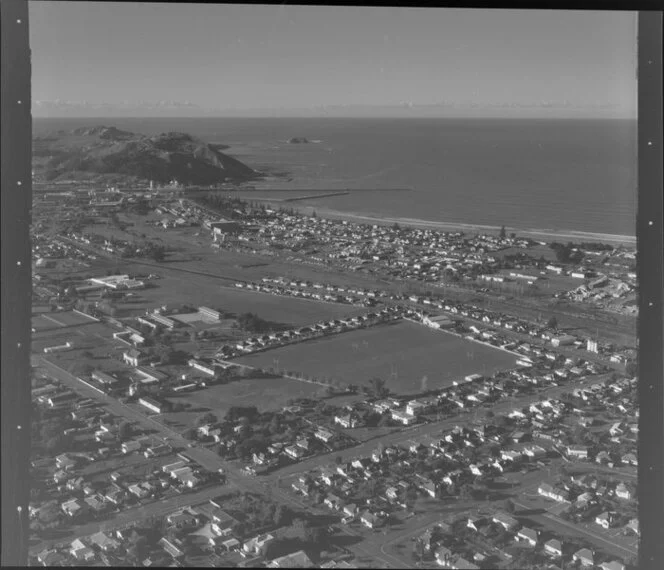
(264, 393)
(409, 357)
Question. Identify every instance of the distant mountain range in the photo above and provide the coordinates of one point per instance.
(108, 153)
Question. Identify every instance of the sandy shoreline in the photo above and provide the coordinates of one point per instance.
(546, 235)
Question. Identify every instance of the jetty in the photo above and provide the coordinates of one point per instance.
(312, 196)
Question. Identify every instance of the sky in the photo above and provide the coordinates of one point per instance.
(187, 59)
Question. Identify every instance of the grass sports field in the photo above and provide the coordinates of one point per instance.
(409, 357)
(177, 288)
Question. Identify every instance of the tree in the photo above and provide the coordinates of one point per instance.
(280, 516)
(384, 420)
(206, 418)
(503, 233)
(378, 388)
(552, 323)
(418, 549)
(124, 431)
(71, 292)
(158, 254)
(632, 368)
(189, 433)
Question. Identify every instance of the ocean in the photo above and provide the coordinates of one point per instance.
(530, 174)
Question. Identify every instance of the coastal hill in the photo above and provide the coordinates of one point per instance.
(109, 153)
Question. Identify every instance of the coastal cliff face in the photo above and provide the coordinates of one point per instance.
(103, 152)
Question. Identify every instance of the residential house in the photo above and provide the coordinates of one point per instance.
(337, 564)
(74, 508)
(604, 520)
(476, 523)
(347, 421)
(134, 357)
(403, 417)
(294, 451)
(630, 459)
(138, 490)
(577, 452)
(554, 493)
(59, 476)
(157, 451)
(460, 563)
(603, 458)
(81, 552)
(622, 491)
(417, 407)
(104, 542)
(324, 435)
(333, 501)
(257, 544)
(633, 525)
(350, 510)
(171, 548)
(534, 452)
(221, 522)
(443, 556)
(553, 548)
(96, 503)
(130, 446)
(231, 545)
(371, 520)
(527, 535)
(301, 487)
(65, 462)
(297, 559)
(613, 565)
(429, 487)
(51, 558)
(510, 455)
(506, 521)
(391, 493)
(328, 477)
(584, 557)
(182, 519)
(75, 484)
